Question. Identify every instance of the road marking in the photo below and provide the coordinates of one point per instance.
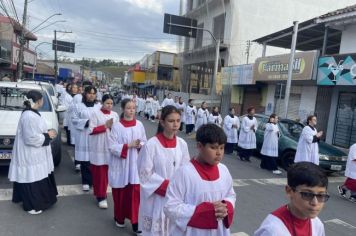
(340, 222)
(63, 191)
(239, 234)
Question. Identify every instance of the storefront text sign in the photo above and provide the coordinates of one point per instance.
(275, 68)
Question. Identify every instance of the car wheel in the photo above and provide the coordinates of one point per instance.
(287, 159)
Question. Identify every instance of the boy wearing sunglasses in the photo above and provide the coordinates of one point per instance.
(307, 193)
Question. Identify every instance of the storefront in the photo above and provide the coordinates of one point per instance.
(337, 75)
(272, 73)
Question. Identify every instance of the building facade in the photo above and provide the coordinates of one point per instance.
(10, 31)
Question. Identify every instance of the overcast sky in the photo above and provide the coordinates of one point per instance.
(116, 29)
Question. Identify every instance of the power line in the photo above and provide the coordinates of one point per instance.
(13, 6)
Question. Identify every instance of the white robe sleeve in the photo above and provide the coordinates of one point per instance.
(308, 135)
(244, 126)
(114, 146)
(31, 135)
(150, 181)
(78, 122)
(220, 120)
(228, 123)
(231, 195)
(238, 123)
(175, 208)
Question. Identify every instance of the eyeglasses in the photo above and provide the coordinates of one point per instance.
(308, 196)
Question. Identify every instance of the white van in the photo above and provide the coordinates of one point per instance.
(11, 106)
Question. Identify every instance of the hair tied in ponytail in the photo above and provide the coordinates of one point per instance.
(28, 102)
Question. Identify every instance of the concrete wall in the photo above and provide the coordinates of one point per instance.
(348, 40)
(257, 18)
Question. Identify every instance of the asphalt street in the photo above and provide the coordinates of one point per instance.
(258, 193)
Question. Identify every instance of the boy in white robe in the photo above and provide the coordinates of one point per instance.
(159, 159)
(190, 114)
(180, 105)
(168, 101)
(350, 173)
(202, 116)
(308, 147)
(247, 137)
(200, 196)
(215, 117)
(307, 193)
(231, 126)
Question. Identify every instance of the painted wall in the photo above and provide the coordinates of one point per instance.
(348, 40)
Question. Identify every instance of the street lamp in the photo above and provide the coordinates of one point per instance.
(56, 14)
(55, 22)
(35, 65)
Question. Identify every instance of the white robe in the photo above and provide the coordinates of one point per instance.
(77, 99)
(187, 190)
(202, 118)
(190, 114)
(124, 171)
(67, 101)
(149, 107)
(156, 164)
(182, 108)
(270, 140)
(231, 132)
(30, 161)
(140, 103)
(350, 171)
(81, 116)
(273, 226)
(247, 137)
(168, 101)
(215, 119)
(99, 152)
(306, 149)
(155, 107)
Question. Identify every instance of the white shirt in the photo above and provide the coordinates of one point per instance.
(215, 119)
(351, 163)
(202, 118)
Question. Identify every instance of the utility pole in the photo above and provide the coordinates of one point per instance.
(55, 53)
(290, 67)
(22, 44)
(248, 50)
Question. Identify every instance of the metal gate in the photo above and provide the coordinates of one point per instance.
(293, 107)
(322, 108)
(345, 124)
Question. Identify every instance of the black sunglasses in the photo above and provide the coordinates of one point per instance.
(308, 196)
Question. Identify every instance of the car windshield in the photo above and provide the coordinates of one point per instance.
(293, 129)
(49, 89)
(13, 98)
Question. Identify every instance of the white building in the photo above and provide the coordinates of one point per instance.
(235, 22)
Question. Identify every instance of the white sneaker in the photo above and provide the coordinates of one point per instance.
(34, 212)
(77, 167)
(277, 172)
(86, 187)
(119, 225)
(103, 204)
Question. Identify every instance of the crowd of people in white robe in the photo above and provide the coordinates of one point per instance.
(182, 195)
